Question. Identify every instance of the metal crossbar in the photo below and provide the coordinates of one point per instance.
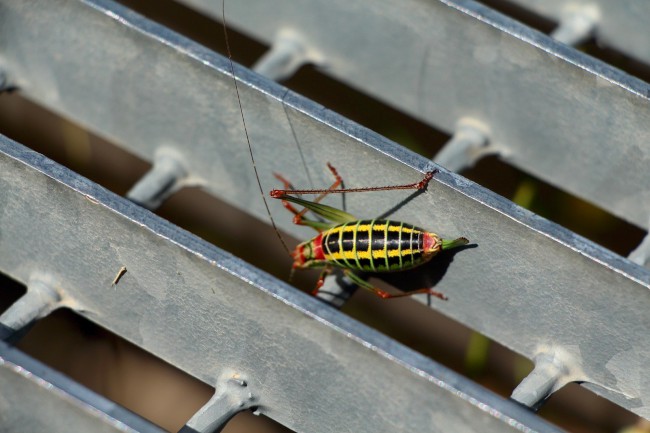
(576, 309)
(225, 303)
(36, 398)
(455, 61)
(622, 25)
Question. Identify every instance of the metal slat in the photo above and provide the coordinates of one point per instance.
(621, 24)
(208, 313)
(36, 399)
(547, 107)
(563, 294)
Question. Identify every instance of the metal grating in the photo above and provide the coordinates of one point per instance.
(152, 92)
(465, 62)
(621, 25)
(36, 398)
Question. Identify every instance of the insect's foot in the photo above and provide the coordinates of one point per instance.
(432, 293)
(427, 178)
(385, 295)
(439, 295)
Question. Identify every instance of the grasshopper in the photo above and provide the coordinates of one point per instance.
(360, 245)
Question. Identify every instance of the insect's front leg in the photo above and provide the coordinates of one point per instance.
(321, 280)
(336, 216)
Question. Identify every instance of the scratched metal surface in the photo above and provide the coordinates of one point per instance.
(546, 106)
(528, 283)
(207, 312)
(35, 399)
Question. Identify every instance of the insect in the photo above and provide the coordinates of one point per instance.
(346, 242)
(359, 245)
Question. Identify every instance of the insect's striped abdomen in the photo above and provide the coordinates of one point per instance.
(377, 245)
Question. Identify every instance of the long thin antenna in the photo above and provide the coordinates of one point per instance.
(241, 111)
(295, 140)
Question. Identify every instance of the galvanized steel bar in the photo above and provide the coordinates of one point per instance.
(576, 24)
(209, 313)
(547, 106)
(641, 253)
(232, 395)
(165, 177)
(468, 144)
(623, 25)
(561, 291)
(286, 55)
(36, 398)
(39, 301)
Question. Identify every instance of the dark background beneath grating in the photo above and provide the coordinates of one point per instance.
(159, 392)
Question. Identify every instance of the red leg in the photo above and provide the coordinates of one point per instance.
(287, 185)
(338, 181)
(288, 189)
(422, 184)
(385, 295)
(321, 280)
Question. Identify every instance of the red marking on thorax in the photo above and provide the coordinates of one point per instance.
(308, 251)
(317, 242)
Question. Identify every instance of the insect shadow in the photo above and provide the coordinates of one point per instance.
(427, 275)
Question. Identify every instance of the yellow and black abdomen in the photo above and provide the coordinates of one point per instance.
(375, 246)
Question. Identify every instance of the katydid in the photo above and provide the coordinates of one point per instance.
(352, 244)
